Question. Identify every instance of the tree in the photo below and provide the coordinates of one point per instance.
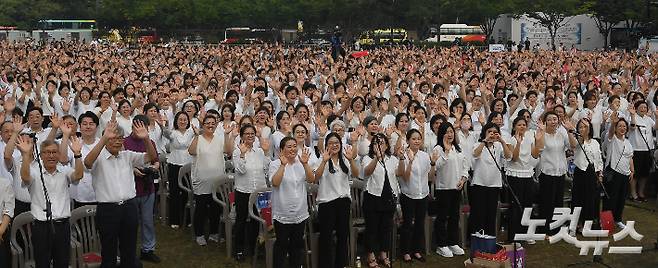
(606, 15)
(26, 14)
(487, 12)
(551, 14)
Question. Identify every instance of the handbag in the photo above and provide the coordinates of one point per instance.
(607, 221)
(481, 242)
(608, 172)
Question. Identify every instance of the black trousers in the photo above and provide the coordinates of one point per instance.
(484, 206)
(522, 187)
(379, 224)
(412, 235)
(245, 231)
(176, 198)
(446, 225)
(117, 224)
(551, 195)
(5, 253)
(617, 189)
(585, 194)
(206, 210)
(51, 243)
(21, 207)
(334, 216)
(289, 241)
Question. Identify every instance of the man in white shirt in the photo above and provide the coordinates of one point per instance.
(6, 213)
(50, 201)
(114, 183)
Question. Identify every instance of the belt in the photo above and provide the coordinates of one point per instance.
(57, 221)
(120, 203)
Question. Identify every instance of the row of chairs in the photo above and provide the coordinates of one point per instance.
(85, 241)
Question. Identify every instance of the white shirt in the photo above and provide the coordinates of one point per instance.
(4, 171)
(375, 182)
(208, 164)
(289, 204)
(450, 168)
(417, 187)
(525, 165)
(597, 118)
(593, 151)
(250, 171)
(83, 191)
(114, 180)
(157, 136)
(641, 132)
(334, 185)
(485, 171)
(178, 145)
(126, 124)
(553, 160)
(620, 154)
(7, 202)
(466, 143)
(57, 185)
(41, 135)
(276, 138)
(21, 193)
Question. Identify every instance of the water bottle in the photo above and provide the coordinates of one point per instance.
(358, 262)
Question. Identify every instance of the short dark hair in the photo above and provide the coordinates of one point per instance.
(89, 114)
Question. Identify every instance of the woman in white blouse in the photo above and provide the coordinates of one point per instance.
(180, 139)
(452, 168)
(207, 168)
(333, 175)
(380, 171)
(251, 164)
(519, 171)
(414, 185)
(289, 175)
(588, 172)
(124, 117)
(485, 187)
(6, 213)
(641, 137)
(619, 162)
(551, 145)
(593, 111)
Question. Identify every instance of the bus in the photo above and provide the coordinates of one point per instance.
(246, 35)
(462, 32)
(383, 36)
(67, 25)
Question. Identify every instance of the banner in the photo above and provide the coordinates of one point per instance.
(571, 33)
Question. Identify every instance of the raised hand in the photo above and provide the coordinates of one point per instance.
(568, 124)
(265, 144)
(140, 130)
(350, 152)
(283, 159)
(24, 144)
(435, 156)
(18, 125)
(66, 105)
(244, 148)
(66, 130)
(326, 155)
(76, 145)
(228, 129)
(305, 156)
(110, 130)
(56, 121)
(410, 155)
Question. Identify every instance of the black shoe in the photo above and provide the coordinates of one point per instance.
(149, 257)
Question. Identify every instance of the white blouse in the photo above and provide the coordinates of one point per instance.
(450, 168)
(417, 187)
(7, 202)
(485, 171)
(178, 145)
(467, 143)
(375, 182)
(593, 151)
(334, 185)
(641, 132)
(250, 171)
(553, 161)
(208, 164)
(289, 199)
(620, 154)
(524, 167)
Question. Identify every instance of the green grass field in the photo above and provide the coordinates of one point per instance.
(177, 249)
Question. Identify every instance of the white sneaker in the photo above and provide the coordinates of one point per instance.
(201, 241)
(456, 250)
(174, 226)
(444, 251)
(214, 238)
(531, 242)
(621, 225)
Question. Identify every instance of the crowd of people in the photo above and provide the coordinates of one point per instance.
(419, 126)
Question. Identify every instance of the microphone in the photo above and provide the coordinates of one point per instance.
(640, 126)
(575, 133)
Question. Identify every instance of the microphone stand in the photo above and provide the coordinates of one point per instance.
(515, 199)
(49, 204)
(596, 258)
